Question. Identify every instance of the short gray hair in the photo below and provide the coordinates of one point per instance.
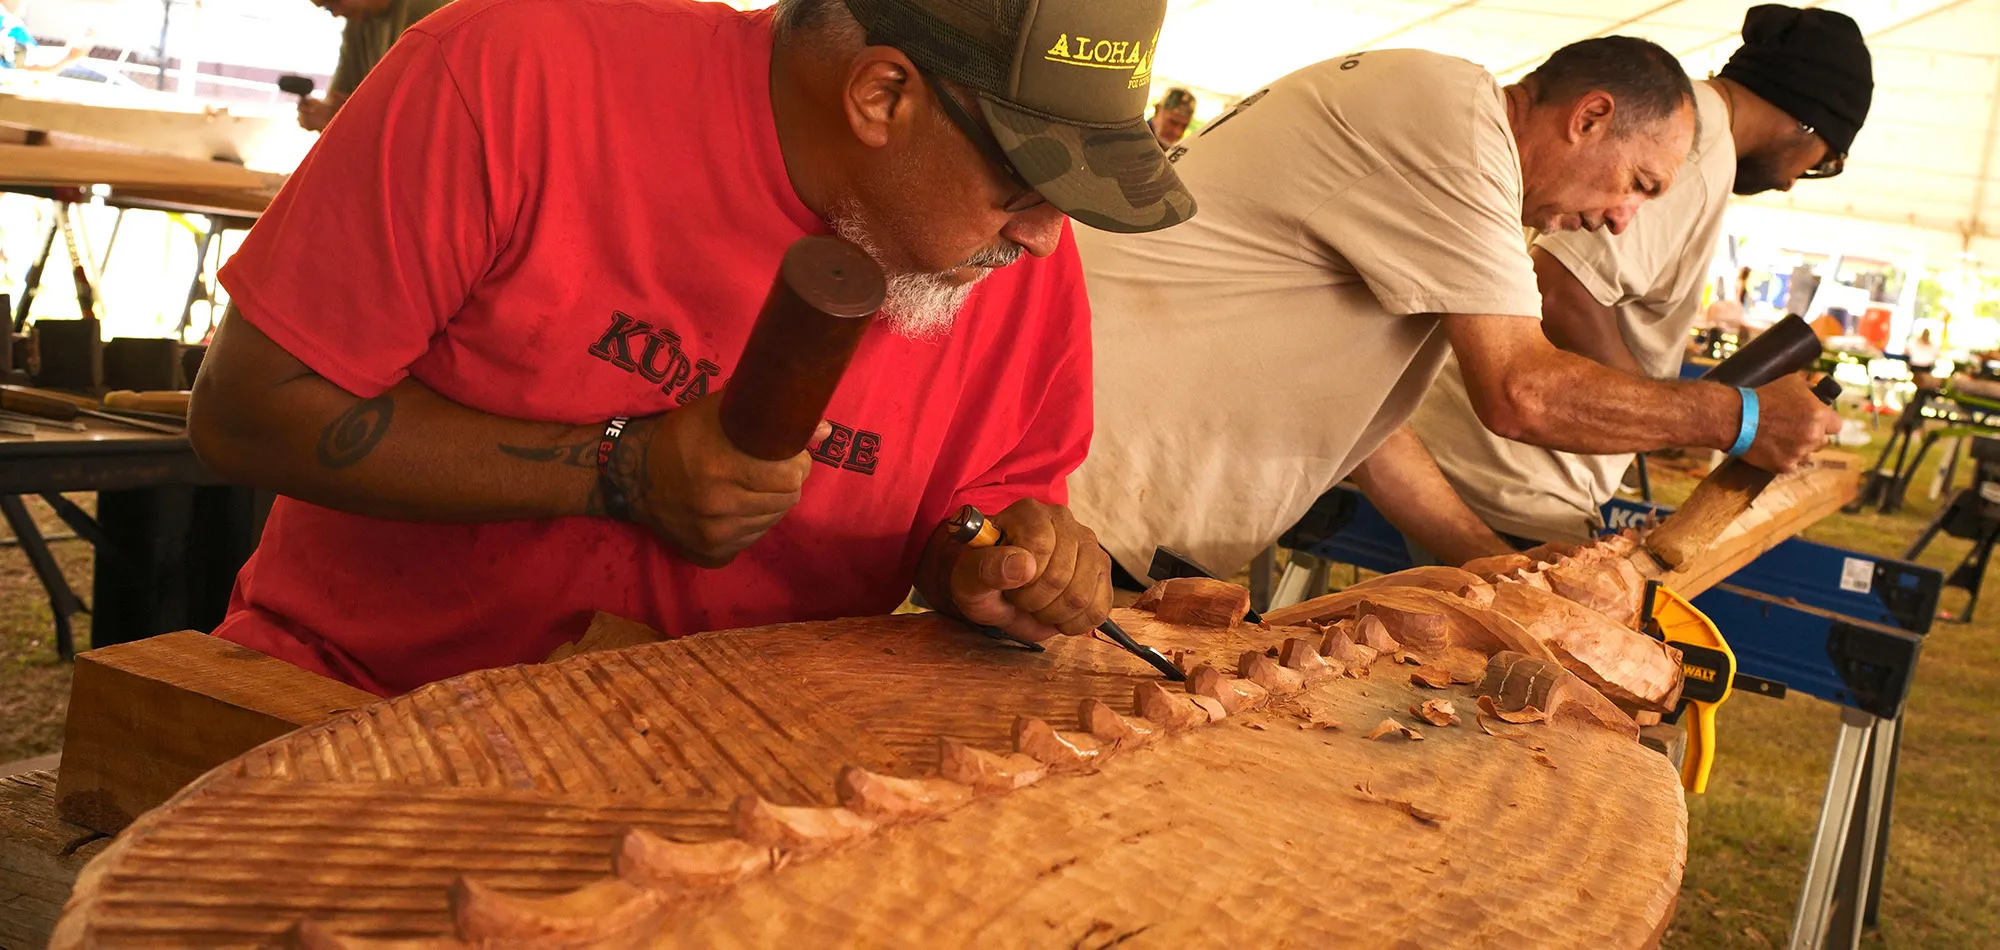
(1647, 82)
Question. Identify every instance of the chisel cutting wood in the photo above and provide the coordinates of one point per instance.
(972, 528)
(1790, 346)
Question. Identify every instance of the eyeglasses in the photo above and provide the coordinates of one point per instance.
(987, 145)
(1829, 166)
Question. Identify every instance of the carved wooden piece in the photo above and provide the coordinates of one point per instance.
(624, 798)
(1630, 668)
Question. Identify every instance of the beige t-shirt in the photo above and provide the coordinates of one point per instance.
(366, 39)
(1652, 275)
(1248, 359)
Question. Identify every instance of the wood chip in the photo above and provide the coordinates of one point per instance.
(1431, 676)
(1543, 758)
(1388, 726)
(1255, 725)
(1426, 815)
(1516, 716)
(1437, 712)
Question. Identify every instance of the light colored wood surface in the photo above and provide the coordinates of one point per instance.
(220, 183)
(1791, 504)
(40, 856)
(1267, 828)
(148, 717)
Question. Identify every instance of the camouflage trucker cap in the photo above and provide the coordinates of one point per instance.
(1064, 85)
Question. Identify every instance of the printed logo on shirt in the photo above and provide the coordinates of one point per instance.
(849, 449)
(1135, 55)
(655, 353)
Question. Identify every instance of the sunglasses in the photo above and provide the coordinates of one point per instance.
(1829, 166)
(982, 139)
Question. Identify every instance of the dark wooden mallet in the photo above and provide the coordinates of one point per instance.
(823, 299)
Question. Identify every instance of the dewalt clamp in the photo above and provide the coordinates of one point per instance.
(1710, 675)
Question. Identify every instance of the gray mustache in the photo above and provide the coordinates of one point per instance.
(1005, 253)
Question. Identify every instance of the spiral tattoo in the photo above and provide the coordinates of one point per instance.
(353, 434)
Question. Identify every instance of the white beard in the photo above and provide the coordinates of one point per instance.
(919, 306)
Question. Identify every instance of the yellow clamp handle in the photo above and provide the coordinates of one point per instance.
(1684, 626)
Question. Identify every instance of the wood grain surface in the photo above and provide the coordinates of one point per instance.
(485, 810)
(40, 855)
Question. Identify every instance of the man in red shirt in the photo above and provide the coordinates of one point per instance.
(562, 212)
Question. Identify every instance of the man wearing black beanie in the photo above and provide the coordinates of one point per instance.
(1787, 106)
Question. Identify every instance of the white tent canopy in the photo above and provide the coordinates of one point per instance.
(1920, 177)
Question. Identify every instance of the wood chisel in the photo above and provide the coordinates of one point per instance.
(972, 528)
(49, 406)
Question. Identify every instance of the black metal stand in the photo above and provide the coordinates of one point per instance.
(63, 602)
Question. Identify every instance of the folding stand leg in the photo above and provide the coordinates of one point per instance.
(1892, 497)
(1861, 864)
(1813, 917)
(1297, 580)
(1263, 569)
(1885, 805)
(62, 601)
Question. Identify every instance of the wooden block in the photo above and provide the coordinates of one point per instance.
(150, 716)
(191, 357)
(72, 353)
(143, 364)
(40, 855)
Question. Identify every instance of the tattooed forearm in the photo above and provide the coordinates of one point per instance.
(627, 470)
(581, 454)
(355, 433)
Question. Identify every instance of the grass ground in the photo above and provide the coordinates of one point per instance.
(34, 687)
(1748, 835)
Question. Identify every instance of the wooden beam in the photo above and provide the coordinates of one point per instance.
(40, 855)
(150, 716)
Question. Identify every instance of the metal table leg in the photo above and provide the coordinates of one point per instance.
(63, 602)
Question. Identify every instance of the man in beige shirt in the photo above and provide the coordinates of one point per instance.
(372, 27)
(1787, 106)
(1360, 218)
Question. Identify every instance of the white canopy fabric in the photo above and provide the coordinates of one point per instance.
(1921, 176)
(1920, 179)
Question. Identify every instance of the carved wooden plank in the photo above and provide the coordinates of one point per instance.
(705, 793)
(1792, 503)
(40, 855)
(148, 717)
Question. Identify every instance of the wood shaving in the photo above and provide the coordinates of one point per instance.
(1387, 726)
(1431, 676)
(1543, 758)
(1405, 656)
(1517, 716)
(1437, 712)
(1255, 725)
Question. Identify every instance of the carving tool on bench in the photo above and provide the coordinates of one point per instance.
(1790, 346)
(34, 402)
(972, 528)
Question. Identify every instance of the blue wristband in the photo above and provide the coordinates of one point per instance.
(1747, 432)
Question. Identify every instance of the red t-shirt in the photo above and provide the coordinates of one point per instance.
(570, 210)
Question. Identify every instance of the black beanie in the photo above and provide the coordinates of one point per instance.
(1811, 63)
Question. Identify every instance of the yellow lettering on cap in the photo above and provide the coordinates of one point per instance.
(1118, 50)
(1101, 52)
(1142, 54)
(1061, 48)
